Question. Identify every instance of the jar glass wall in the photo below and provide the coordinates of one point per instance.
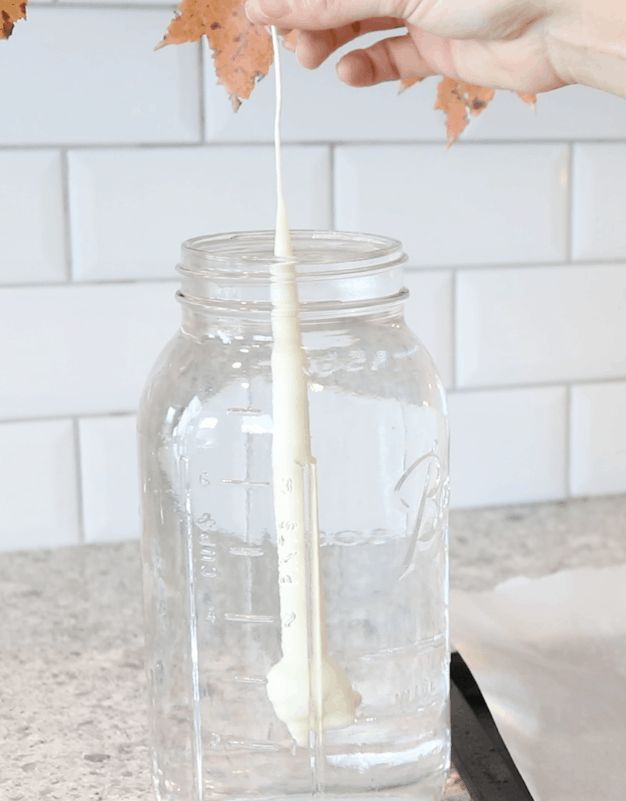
(379, 436)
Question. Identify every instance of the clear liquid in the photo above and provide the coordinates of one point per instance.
(213, 628)
(388, 635)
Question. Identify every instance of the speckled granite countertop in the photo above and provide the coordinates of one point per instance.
(72, 717)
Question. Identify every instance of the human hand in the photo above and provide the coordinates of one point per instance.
(525, 45)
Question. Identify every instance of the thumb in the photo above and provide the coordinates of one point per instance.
(320, 15)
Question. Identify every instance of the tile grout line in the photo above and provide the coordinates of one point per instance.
(112, 282)
(425, 270)
(568, 441)
(574, 382)
(79, 481)
(453, 331)
(569, 226)
(67, 217)
(201, 90)
(458, 391)
(333, 187)
(234, 143)
(55, 418)
(501, 266)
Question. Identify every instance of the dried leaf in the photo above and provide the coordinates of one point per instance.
(242, 51)
(460, 101)
(11, 11)
(407, 83)
(528, 97)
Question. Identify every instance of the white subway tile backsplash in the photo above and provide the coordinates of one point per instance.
(572, 113)
(599, 201)
(507, 446)
(91, 75)
(131, 209)
(428, 313)
(598, 439)
(319, 108)
(110, 478)
(545, 325)
(470, 205)
(151, 162)
(38, 486)
(32, 224)
(80, 349)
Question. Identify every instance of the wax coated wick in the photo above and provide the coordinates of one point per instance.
(309, 691)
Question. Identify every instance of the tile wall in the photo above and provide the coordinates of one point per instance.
(111, 154)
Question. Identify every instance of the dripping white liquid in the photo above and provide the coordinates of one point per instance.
(309, 691)
(282, 239)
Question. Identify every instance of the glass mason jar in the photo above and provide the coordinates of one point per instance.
(211, 575)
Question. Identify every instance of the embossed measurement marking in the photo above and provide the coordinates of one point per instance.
(205, 522)
(246, 550)
(218, 677)
(208, 557)
(410, 649)
(245, 482)
(244, 410)
(234, 617)
(252, 745)
(256, 681)
(220, 742)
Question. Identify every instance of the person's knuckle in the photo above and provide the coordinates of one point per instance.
(416, 10)
(322, 8)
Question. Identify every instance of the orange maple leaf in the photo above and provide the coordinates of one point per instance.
(407, 83)
(528, 97)
(242, 51)
(460, 101)
(10, 12)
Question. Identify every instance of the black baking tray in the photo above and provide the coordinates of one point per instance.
(478, 751)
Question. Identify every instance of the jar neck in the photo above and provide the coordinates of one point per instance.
(207, 322)
(230, 280)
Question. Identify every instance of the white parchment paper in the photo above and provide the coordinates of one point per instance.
(549, 655)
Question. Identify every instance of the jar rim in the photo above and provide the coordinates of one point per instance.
(249, 255)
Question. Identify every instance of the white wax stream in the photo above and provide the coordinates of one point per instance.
(282, 238)
(308, 690)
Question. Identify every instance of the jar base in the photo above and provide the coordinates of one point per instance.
(428, 788)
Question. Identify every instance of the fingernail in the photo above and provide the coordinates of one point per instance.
(266, 10)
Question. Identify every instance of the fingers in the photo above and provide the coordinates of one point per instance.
(516, 64)
(456, 19)
(313, 47)
(478, 19)
(387, 60)
(320, 15)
